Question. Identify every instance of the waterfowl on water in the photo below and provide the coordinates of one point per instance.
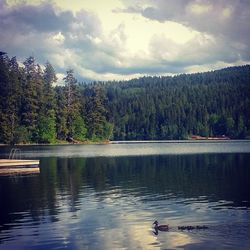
(186, 227)
(160, 227)
(192, 227)
(201, 227)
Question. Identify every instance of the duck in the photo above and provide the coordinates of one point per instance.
(165, 228)
(160, 227)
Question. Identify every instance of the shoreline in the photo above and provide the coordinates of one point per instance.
(56, 144)
(130, 142)
(182, 141)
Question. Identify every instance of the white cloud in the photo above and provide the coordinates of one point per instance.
(199, 8)
(59, 38)
(227, 12)
(123, 39)
(213, 66)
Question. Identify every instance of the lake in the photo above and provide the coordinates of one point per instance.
(108, 196)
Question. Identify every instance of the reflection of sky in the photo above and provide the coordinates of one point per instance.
(115, 222)
(112, 219)
(100, 210)
(109, 220)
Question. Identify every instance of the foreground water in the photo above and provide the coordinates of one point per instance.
(107, 197)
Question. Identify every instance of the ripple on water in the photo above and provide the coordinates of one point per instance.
(111, 203)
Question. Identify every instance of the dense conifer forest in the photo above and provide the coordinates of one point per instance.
(206, 104)
(35, 109)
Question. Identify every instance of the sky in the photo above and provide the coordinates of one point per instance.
(124, 39)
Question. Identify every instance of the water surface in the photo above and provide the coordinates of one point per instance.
(107, 197)
(133, 149)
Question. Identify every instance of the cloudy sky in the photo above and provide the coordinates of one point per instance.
(123, 39)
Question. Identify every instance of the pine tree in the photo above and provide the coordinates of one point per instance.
(98, 126)
(5, 132)
(75, 123)
(47, 119)
(14, 103)
(31, 98)
(61, 114)
(10, 101)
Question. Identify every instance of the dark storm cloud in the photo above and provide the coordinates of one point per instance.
(42, 18)
(25, 29)
(47, 32)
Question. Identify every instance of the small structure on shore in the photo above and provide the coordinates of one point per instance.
(219, 137)
(15, 165)
(12, 166)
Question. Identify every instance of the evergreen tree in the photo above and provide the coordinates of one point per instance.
(10, 101)
(75, 124)
(31, 97)
(47, 118)
(5, 116)
(97, 124)
(61, 114)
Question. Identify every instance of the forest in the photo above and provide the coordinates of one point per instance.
(210, 104)
(35, 108)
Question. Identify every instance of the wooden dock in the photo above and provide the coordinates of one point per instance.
(13, 166)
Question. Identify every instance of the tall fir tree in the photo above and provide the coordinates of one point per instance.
(10, 101)
(5, 131)
(96, 112)
(75, 123)
(61, 114)
(31, 98)
(47, 118)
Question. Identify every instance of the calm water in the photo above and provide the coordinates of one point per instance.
(108, 196)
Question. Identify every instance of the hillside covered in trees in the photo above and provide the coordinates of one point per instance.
(34, 109)
(207, 104)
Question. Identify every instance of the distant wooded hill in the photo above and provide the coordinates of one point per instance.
(149, 108)
(207, 104)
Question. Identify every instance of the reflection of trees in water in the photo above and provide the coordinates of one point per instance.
(215, 176)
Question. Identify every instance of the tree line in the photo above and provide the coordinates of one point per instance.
(34, 109)
(211, 104)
